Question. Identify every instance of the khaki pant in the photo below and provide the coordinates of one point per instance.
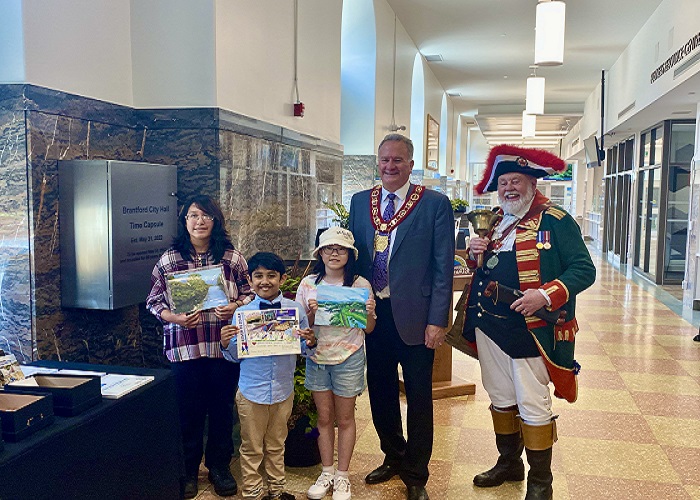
(263, 432)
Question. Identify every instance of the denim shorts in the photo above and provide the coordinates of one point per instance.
(346, 379)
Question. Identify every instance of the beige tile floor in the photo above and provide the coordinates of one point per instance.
(633, 433)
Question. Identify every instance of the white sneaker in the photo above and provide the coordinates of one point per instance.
(341, 488)
(320, 488)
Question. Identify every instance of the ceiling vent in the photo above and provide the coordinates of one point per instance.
(454, 94)
(434, 58)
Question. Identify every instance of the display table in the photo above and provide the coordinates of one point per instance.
(123, 448)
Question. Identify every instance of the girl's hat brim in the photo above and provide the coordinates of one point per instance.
(336, 236)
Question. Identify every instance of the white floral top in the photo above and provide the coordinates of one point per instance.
(335, 343)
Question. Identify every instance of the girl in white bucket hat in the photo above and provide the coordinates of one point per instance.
(335, 374)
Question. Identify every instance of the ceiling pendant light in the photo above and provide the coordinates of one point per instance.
(549, 33)
(534, 94)
(529, 125)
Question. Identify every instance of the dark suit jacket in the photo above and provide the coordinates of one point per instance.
(421, 265)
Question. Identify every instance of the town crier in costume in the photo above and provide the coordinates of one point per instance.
(536, 248)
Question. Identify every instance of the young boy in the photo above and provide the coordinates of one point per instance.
(266, 385)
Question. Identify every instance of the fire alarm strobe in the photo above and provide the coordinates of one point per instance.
(299, 109)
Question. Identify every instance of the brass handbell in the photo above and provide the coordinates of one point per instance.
(482, 221)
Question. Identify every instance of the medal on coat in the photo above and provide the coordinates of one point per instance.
(543, 240)
(492, 262)
(381, 242)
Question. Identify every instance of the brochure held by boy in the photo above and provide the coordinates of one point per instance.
(269, 332)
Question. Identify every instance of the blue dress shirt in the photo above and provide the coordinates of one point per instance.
(268, 379)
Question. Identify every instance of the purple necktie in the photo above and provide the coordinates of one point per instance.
(380, 273)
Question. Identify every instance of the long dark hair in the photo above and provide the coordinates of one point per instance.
(220, 240)
(349, 275)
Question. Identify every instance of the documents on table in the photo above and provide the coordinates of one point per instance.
(113, 385)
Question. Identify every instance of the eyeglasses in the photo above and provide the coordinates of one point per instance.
(204, 217)
(330, 250)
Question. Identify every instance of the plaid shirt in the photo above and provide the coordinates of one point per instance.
(179, 343)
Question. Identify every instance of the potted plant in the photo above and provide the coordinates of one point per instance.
(342, 216)
(459, 205)
(294, 276)
(301, 445)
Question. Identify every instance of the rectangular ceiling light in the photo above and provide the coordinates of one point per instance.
(534, 98)
(529, 125)
(549, 33)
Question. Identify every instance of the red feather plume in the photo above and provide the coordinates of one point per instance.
(537, 156)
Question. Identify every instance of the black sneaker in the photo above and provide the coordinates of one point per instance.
(282, 496)
(223, 481)
(189, 487)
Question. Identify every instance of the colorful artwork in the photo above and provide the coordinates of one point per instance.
(341, 306)
(10, 371)
(196, 289)
(566, 175)
(271, 332)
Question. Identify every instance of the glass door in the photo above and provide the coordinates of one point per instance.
(641, 233)
(618, 183)
(648, 204)
(653, 219)
(625, 216)
(681, 150)
(676, 223)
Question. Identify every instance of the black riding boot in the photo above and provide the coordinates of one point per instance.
(509, 441)
(539, 440)
(539, 478)
(509, 466)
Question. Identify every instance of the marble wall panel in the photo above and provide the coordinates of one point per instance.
(195, 154)
(15, 278)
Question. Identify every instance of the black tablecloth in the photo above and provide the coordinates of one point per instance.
(126, 448)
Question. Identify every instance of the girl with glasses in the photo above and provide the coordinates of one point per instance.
(205, 382)
(335, 373)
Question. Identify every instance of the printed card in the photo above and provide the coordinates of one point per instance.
(271, 332)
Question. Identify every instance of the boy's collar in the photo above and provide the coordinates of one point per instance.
(276, 299)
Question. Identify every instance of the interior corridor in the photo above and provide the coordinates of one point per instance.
(633, 433)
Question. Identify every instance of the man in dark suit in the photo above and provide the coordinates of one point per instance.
(405, 237)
